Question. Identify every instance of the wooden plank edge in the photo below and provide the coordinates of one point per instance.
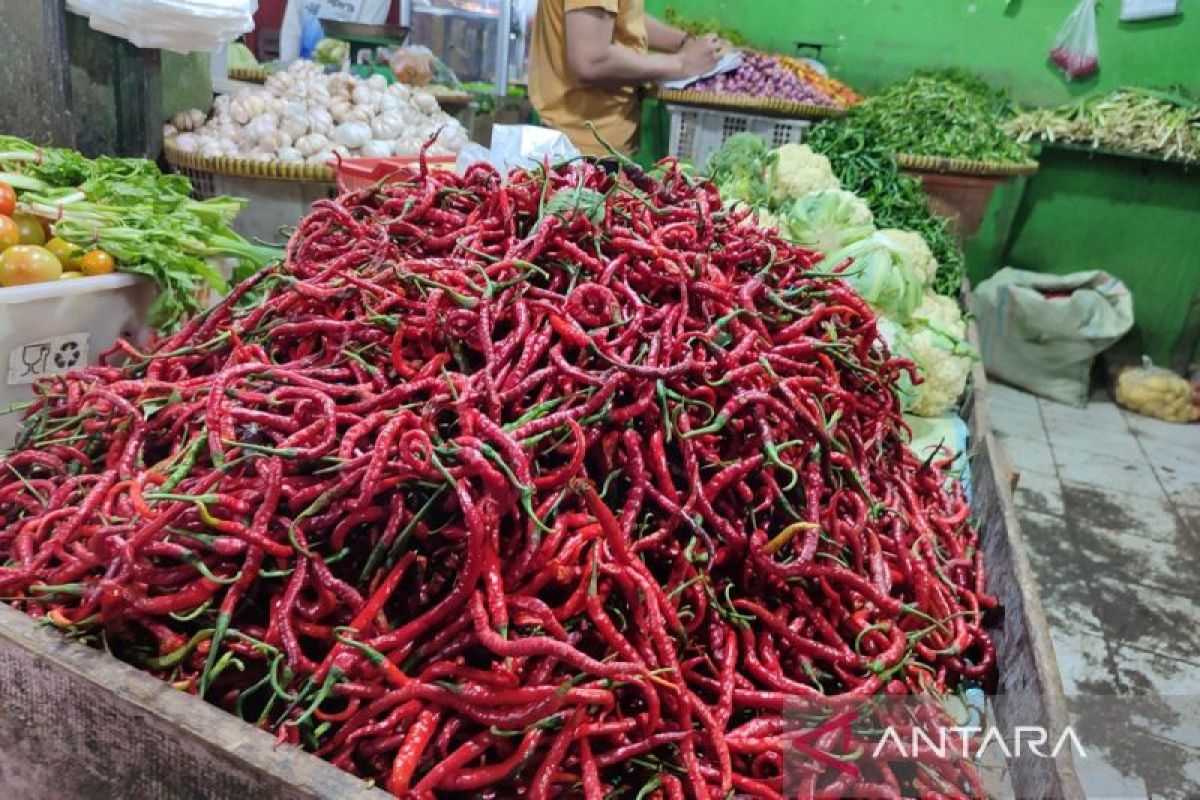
(1035, 634)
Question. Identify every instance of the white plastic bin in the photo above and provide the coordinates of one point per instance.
(49, 328)
(697, 133)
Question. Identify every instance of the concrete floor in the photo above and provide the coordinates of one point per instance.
(1109, 504)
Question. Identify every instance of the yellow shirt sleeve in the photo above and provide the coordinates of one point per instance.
(611, 6)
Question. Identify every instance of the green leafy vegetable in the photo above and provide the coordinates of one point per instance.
(587, 201)
(931, 114)
(146, 220)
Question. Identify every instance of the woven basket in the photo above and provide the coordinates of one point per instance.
(751, 105)
(963, 166)
(247, 168)
(249, 74)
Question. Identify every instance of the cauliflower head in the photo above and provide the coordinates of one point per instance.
(797, 170)
(941, 313)
(880, 270)
(933, 341)
(912, 248)
(828, 220)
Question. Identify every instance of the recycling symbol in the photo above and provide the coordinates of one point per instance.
(67, 355)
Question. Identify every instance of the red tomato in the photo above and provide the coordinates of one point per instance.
(8, 200)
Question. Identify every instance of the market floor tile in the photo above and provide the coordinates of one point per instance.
(1112, 524)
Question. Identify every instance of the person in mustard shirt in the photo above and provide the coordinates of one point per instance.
(590, 58)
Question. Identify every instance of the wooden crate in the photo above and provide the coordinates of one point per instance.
(76, 724)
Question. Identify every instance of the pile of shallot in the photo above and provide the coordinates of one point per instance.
(304, 114)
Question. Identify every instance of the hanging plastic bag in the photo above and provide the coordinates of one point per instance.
(1157, 392)
(1077, 46)
(311, 35)
(412, 65)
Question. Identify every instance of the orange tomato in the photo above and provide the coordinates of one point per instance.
(97, 262)
(8, 200)
(10, 234)
(28, 263)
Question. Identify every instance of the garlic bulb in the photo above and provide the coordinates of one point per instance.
(311, 143)
(340, 110)
(275, 140)
(320, 121)
(262, 125)
(352, 134)
(388, 103)
(304, 113)
(187, 142)
(425, 102)
(376, 148)
(364, 96)
(387, 125)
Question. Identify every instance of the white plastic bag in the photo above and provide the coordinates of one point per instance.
(728, 63)
(182, 26)
(371, 12)
(1077, 46)
(1042, 332)
(524, 146)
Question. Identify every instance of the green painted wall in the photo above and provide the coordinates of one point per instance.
(874, 42)
(1135, 219)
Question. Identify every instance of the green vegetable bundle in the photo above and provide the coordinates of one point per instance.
(1143, 121)
(145, 219)
(951, 115)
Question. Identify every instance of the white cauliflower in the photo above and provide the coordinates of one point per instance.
(798, 171)
(933, 341)
(829, 220)
(914, 250)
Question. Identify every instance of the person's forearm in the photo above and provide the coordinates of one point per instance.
(663, 37)
(617, 64)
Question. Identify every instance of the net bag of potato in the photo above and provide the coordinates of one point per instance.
(1157, 392)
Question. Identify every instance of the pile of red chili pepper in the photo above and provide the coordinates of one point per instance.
(565, 485)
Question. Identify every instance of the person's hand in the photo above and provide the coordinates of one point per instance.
(698, 56)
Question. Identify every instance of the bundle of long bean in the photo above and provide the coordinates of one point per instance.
(1128, 120)
(568, 486)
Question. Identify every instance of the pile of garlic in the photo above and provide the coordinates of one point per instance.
(304, 114)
